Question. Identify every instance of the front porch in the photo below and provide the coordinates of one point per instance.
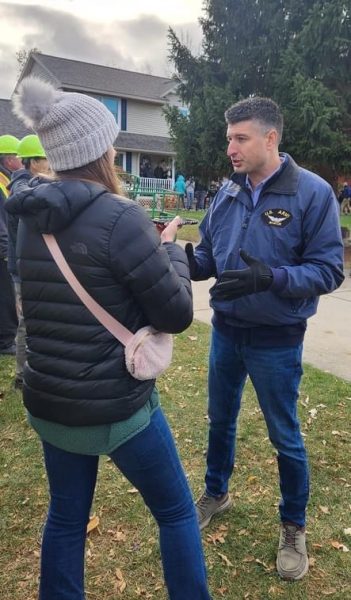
(148, 157)
(154, 194)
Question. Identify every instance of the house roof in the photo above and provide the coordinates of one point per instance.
(78, 75)
(9, 123)
(135, 142)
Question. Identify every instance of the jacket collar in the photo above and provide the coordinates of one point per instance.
(285, 181)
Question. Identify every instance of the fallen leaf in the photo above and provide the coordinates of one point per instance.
(223, 591)
(311, 561)
(192, 338)
(225, 560)
(249, 559)
(339, 546)
(93, 523)
(347, 531)
(324, 510)
(329, 592)
(120, 584)
(132, 491)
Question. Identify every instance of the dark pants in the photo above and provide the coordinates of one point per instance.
(8, 316)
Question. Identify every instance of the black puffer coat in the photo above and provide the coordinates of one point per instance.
(75, 373)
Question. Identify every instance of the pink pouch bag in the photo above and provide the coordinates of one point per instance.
(148, 352)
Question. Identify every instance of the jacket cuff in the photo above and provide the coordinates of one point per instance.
(280, 279)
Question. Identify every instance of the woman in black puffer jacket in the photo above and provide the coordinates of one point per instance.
(80, 397)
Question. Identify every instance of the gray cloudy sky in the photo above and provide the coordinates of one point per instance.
(133, 36)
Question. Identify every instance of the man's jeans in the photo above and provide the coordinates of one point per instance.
(189, 200)
(150, 462)
(275, 373)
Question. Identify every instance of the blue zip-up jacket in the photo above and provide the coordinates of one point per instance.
(294, 229)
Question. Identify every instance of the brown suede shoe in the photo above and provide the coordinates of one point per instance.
(208, 506)
(292, 559)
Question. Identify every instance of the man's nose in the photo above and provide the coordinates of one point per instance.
(231, 150)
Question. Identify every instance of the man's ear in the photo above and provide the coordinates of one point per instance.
(272, 139)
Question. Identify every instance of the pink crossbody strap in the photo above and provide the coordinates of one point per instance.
(112, 325)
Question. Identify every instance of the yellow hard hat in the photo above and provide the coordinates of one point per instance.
(8, 144)
(30, 147)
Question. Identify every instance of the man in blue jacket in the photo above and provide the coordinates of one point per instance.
(272, 239)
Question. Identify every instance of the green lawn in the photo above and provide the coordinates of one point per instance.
(190, 232)
(240, 545)
(345, 221)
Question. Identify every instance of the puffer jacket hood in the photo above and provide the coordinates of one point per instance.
(21, 181)
(52, 206)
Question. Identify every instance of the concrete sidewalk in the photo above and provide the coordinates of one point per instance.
(327, 343)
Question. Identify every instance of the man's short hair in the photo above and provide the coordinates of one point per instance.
(264, 110)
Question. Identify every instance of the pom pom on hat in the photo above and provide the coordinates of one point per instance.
(34, 100)
(74, 129)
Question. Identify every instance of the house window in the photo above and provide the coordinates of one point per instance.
(120, 161)
(113, 105)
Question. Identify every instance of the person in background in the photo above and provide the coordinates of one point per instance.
(212, 191)
(8, 316)
(200, 194)
(190, 191)
(345, 199)
(272, 239)
(179, 187)
(158, 172)
(80, 398)
(35, 165)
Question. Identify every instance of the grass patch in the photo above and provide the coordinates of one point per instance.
(240, 545)
(190, 232)
(345, 221)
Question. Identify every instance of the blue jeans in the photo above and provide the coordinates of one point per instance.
(150, 462)
(189, 200)
(275, 374)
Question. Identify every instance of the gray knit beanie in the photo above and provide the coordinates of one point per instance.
(74, 129)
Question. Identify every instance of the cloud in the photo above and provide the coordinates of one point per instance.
(138, 44)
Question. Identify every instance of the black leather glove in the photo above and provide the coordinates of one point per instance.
(242, 282)
(189, 251)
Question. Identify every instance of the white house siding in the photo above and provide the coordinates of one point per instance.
(146, 118)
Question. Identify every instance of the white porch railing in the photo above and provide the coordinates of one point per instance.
(151, 184)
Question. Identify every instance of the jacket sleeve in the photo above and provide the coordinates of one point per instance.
(321, 266)
(3, 227)
(156, 274)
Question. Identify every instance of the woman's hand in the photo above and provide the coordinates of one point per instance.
(169, 234)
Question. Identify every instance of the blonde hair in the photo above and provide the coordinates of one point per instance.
(98, 171)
